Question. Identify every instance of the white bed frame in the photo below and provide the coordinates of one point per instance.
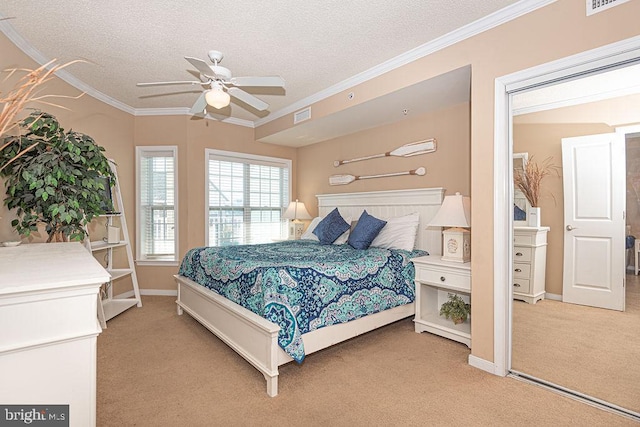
(256, 339)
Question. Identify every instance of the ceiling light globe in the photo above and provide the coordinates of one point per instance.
(217, 98)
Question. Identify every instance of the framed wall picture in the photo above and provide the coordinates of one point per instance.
(520, 204)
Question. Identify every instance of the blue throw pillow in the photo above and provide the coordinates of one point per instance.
(331, 227)
(365, 231)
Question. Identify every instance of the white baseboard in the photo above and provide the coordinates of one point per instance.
(554, 297)
(485, 365)
(159, 292)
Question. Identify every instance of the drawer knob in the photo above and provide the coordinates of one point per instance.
(442, 278)
(518, 270)
(518, 253)
(516, 285)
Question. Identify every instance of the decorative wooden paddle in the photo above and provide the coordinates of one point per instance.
(348, 179)
(407, 150)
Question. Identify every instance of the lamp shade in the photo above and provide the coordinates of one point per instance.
(455, 211)
(296, 210)
(217, 98)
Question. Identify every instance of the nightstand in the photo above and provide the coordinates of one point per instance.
(435, 280)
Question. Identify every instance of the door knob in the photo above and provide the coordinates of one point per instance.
(569, 228)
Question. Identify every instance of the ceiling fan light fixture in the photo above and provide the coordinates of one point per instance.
(217, 98)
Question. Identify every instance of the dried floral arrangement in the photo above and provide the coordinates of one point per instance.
(24, 91)
(530, 178)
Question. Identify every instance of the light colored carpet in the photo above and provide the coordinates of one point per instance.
(156, 368)
(591, 350)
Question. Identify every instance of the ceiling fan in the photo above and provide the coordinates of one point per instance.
(219, 85)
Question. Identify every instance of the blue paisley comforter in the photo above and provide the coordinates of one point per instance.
(301, 285)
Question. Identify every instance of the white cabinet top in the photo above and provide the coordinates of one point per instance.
(46, 266)
(531, 229)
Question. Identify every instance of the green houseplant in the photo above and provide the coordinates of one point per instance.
(455, 309)
(59, 181)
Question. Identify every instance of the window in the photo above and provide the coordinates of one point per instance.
(246, 197)
(157, 226)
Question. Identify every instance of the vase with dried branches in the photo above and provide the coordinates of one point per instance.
(529, 179)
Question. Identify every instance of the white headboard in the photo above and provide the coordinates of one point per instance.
(385, 204)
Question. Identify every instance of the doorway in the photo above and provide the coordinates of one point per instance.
(599, 60)
(593, 176)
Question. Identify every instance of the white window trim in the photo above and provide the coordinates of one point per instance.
(230, 156)
(140, 150)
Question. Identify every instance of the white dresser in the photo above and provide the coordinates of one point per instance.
(529, 263)
(49, 327)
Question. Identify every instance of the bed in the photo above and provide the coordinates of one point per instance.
(265, 344)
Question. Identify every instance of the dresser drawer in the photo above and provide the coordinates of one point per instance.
(522, 286)
(521, 254)
(523, 239)
(521, 271)
(443, 278)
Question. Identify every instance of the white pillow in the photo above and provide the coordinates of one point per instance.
(399, 233)
(308, 233)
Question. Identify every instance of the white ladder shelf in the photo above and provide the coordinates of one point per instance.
(108, 305)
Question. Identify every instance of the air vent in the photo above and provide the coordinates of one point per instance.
(302, 115)
(595, 6)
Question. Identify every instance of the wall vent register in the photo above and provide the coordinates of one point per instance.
(595, 6)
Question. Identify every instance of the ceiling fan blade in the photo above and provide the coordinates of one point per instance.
(267, 81)
(200, 65)
(198, 106)
(247, 98)
(184, 82)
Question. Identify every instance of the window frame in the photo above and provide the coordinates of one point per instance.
(232, 156)
(140, 154)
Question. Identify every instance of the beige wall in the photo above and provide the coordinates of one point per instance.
(119, 133)
(553, 32)
(192, 137)
(448, 166)
(556, 31)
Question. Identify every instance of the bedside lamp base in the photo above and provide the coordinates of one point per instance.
(456, 245)
(295, 230)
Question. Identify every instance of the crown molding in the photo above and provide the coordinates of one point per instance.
(175, 111)
(576, 100)
(495, 19)
(491, 21)
(184, 111)
(36, 55)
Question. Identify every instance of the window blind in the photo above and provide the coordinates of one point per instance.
(246, 199)
(157, 218)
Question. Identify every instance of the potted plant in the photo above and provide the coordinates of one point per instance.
(59, 181)
(455, 309)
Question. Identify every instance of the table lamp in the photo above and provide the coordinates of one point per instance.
(296, 211)
(454, 216)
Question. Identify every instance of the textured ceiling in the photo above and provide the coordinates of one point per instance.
(313, 45)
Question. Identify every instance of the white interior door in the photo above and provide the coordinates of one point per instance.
(593, 169)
